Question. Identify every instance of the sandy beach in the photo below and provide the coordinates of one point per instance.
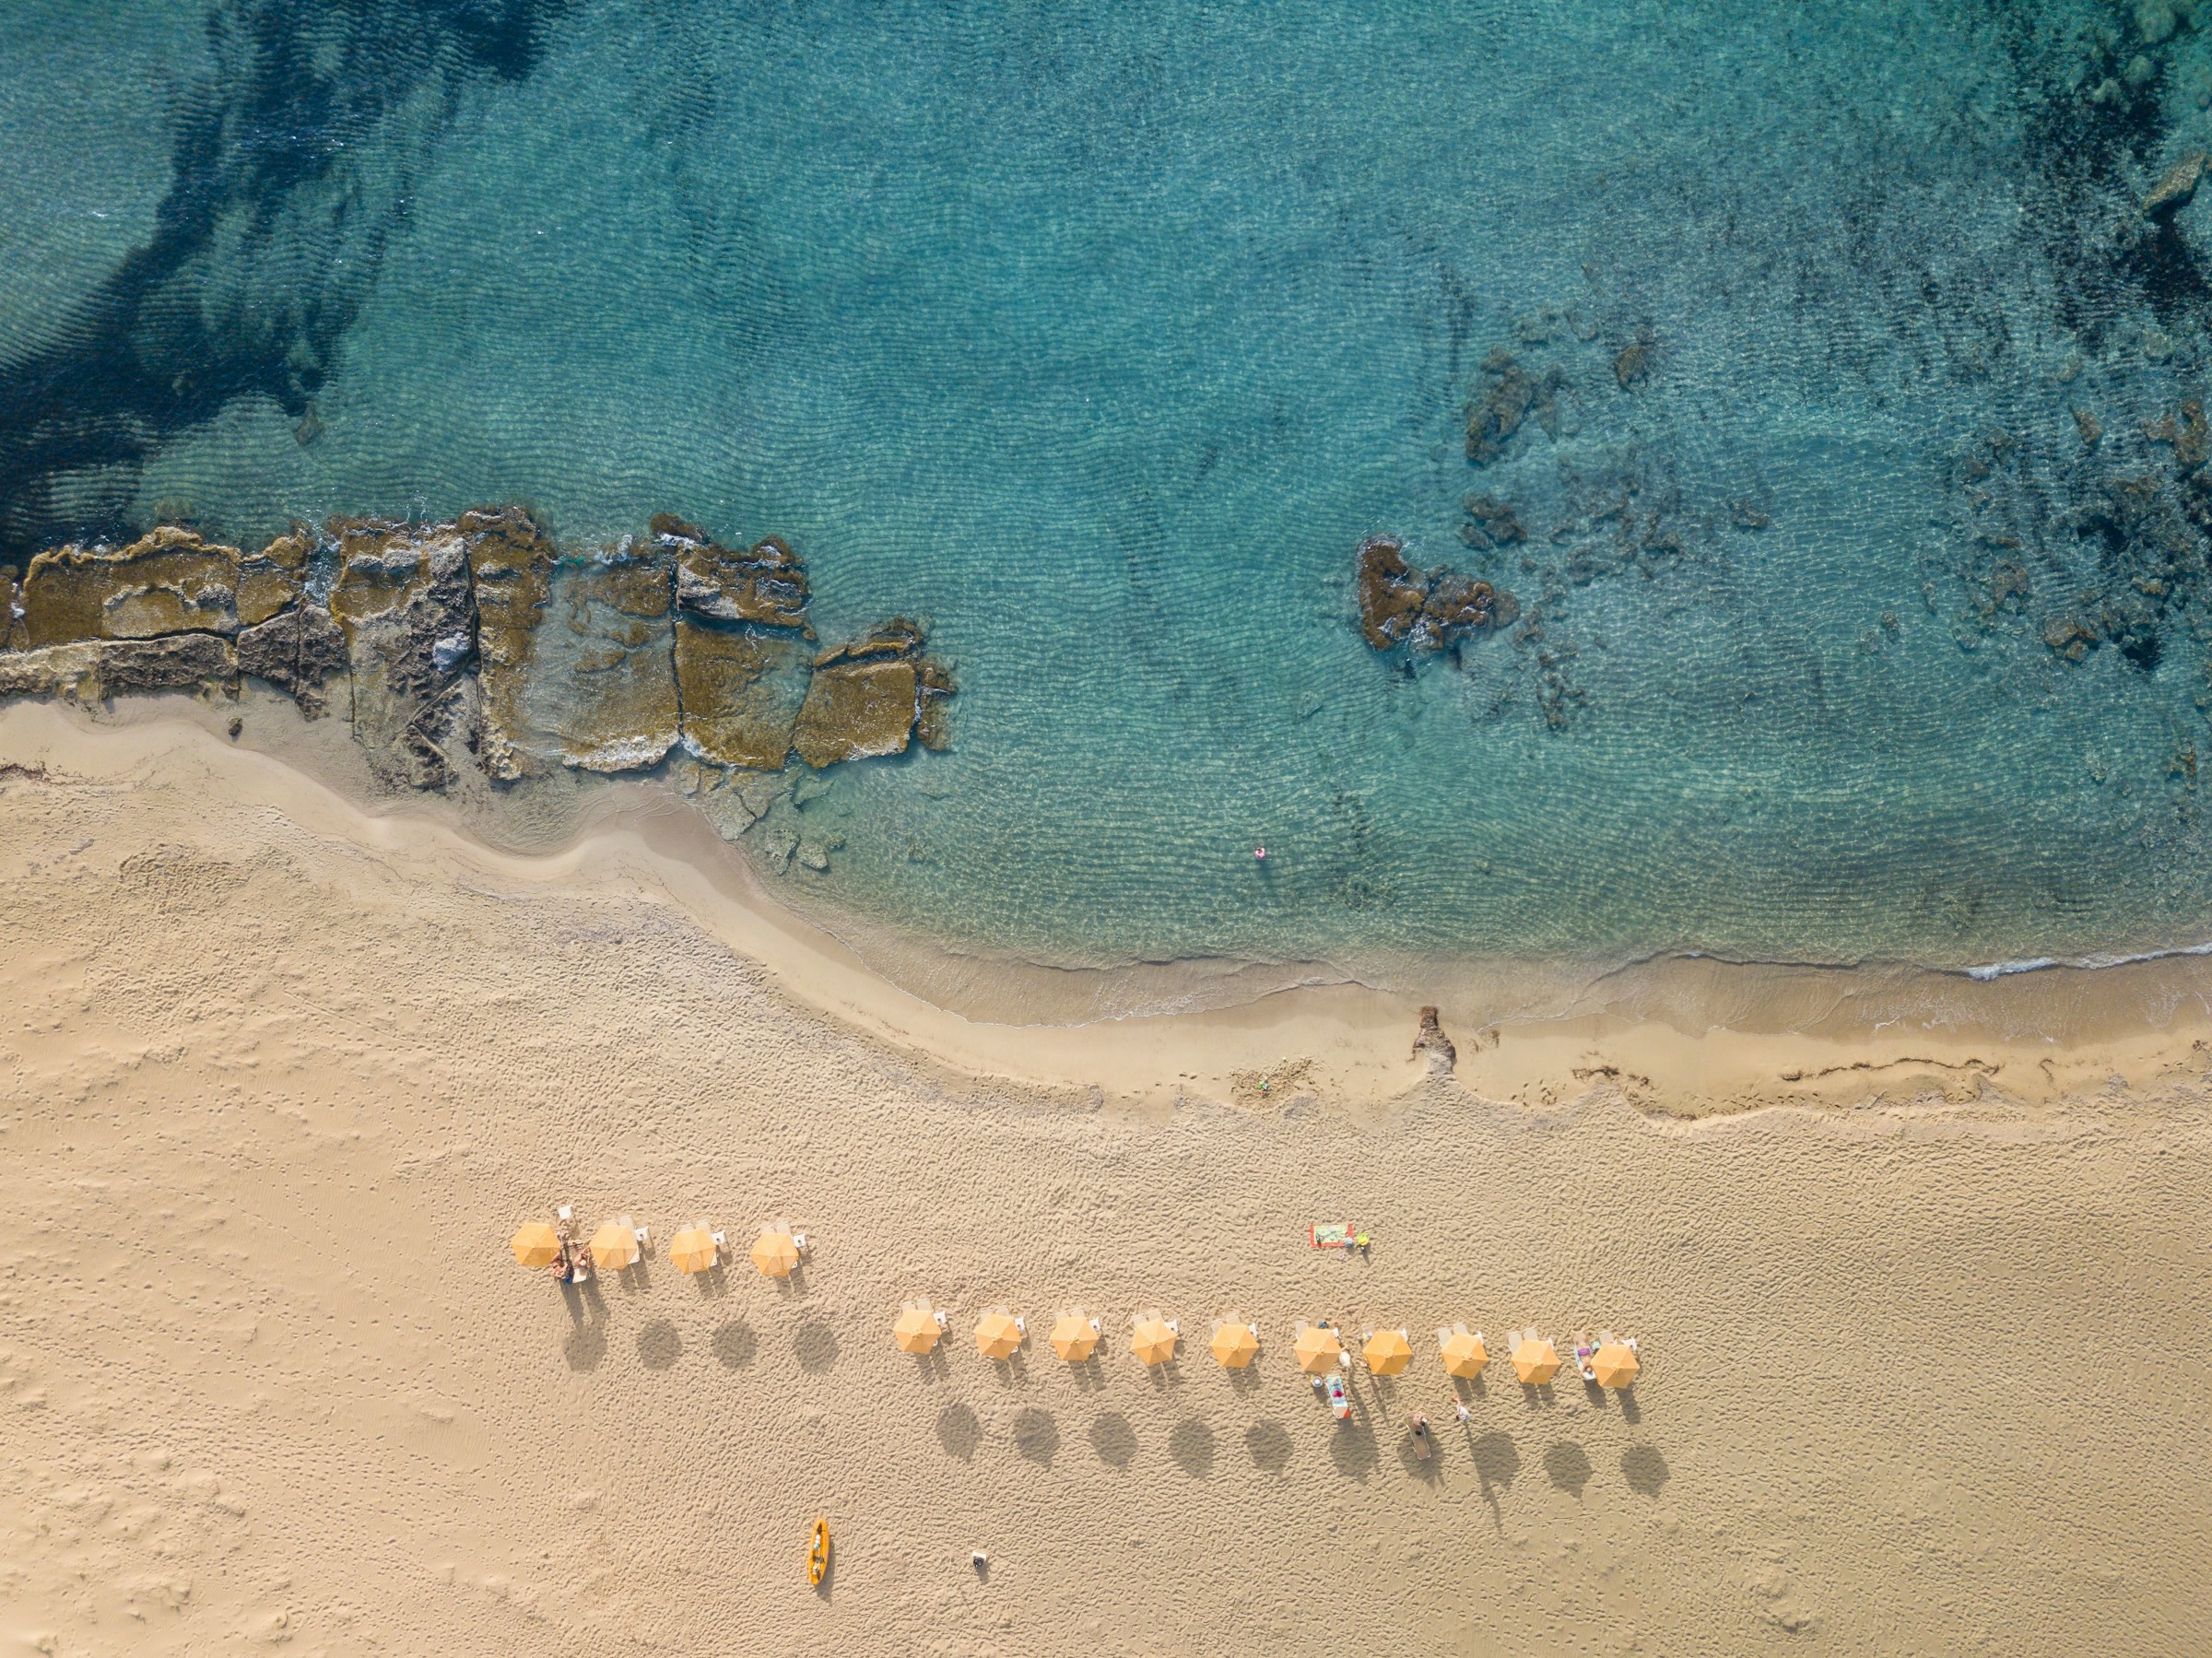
(1921, 1299)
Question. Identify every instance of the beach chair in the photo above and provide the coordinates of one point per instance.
(639, 1232)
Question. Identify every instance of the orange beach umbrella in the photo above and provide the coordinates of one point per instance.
(916, 1330)
(537, 1244)
(1235, 1344)
(1535, 1361)
(1387, 1352)
(997, 1334)
(1464, 1355)
(692, 1250)
(1615, 1364)
(1153, 1341)
(1317, 1349)
(614, 1247)
(1073, 1339)
(775, 1253)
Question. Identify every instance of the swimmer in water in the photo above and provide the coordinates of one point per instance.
(1260, 852)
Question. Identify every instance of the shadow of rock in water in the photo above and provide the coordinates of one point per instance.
(1644, 1469)
(1114, 1441)
(1037, 1436)
(1268, 1445)
(659, 1346)
(958, 1432)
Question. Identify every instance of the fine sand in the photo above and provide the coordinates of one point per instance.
(1922, 1300)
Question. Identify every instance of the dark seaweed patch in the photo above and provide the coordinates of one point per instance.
(267, 163)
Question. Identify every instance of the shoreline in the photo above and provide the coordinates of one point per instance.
(1675, 1036)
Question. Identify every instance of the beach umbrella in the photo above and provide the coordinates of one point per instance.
(1317, 1349)
(614, 1247)
(775, 1254)
(916, 1330)
(692, 1250)
(1387, 1352)
(537, 1244)
(1535, 1361)
(1234, 1346)
(997, 1334)
(1153, 1342)
(1464, 1355)
(1615, 1364)
(1073, 1339)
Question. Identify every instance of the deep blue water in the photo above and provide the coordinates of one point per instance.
(1100, 334)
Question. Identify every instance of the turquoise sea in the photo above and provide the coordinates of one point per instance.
(1100, 334)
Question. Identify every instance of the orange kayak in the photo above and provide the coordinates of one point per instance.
(817, 1553)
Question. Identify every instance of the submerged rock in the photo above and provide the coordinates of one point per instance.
(2189, 433)
(740, 691)
(1399, 603)
(1490, 523)
(1506, 396)
(766, 587)
(401, 589)
(91, 670)
(866, 698)
(1633, 364)
(601, 678)
(933, 719)
(2176, 184)
(511, 562)
(166, 582)
(300, 651)
(1391, 592)
(2068, 639)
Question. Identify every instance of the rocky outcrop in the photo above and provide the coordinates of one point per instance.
(602, 676)
(765, 587)
(866, 698)
(741, 689)
(1433, 1042)
(92, 670)
(407, 609)
(1400, 604)
(300, 651)
(511, 562)
(474, 633)
(166, 582)
(275, 579)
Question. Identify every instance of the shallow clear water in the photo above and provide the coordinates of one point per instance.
(1100, 334)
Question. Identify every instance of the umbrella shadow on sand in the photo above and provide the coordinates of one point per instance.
(960, 1432)
(1496, 1459)
(585, 1346)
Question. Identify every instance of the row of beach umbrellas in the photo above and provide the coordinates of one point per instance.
(999, 1335)
(1319, 1348)
(619, 1245)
